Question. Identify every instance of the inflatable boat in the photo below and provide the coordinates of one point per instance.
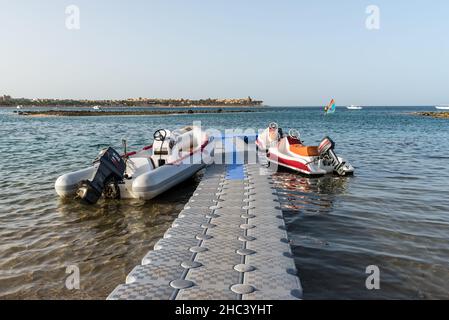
(291, 153)
(173, 157)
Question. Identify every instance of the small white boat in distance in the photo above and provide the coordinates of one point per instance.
(354, 107)
(96, 107)
(442, 107)
(19, 107)
(173, 157)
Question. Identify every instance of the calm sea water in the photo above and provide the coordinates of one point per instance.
(394, 213)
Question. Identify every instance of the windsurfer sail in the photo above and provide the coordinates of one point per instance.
(330, 108)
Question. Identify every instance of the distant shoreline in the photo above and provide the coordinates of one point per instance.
(137, 106)
(7, 100)
(91, 113)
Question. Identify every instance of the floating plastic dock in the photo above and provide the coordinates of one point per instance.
(228, 243)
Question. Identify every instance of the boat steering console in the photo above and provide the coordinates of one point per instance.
(160, 135)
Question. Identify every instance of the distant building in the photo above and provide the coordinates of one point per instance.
(5, 98)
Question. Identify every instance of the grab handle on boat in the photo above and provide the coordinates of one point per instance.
(124, 144)
(125, 155)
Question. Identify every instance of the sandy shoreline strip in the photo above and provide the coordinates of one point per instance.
(89, 113)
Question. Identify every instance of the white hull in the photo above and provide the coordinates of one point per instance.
(304, 165)
(145, 181)
(354, 108)
(146, 186)
(442, 107)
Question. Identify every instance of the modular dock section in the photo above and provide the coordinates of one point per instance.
(228, 243)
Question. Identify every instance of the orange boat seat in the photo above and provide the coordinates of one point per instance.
(305, 151)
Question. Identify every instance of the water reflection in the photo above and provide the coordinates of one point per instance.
(308, 196)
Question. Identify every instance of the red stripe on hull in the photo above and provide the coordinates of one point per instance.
(292, 163)
(200, 149)
(129, 154)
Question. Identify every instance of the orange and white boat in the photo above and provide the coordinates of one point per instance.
(289, 152)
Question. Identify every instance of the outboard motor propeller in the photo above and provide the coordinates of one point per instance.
(326, 151)
(109, 173)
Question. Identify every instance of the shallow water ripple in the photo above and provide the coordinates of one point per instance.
(393, 213)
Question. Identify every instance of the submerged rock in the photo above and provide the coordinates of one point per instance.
(434, 114)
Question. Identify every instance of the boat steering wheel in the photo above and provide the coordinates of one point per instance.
(160, 135)
(294, 134)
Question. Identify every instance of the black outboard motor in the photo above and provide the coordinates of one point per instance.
(326, 151)
(109, 173)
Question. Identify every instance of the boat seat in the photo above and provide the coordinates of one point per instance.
(305, 151)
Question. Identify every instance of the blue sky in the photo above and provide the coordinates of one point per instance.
(284, 52)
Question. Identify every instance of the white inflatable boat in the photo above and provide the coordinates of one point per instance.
(172, 158)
